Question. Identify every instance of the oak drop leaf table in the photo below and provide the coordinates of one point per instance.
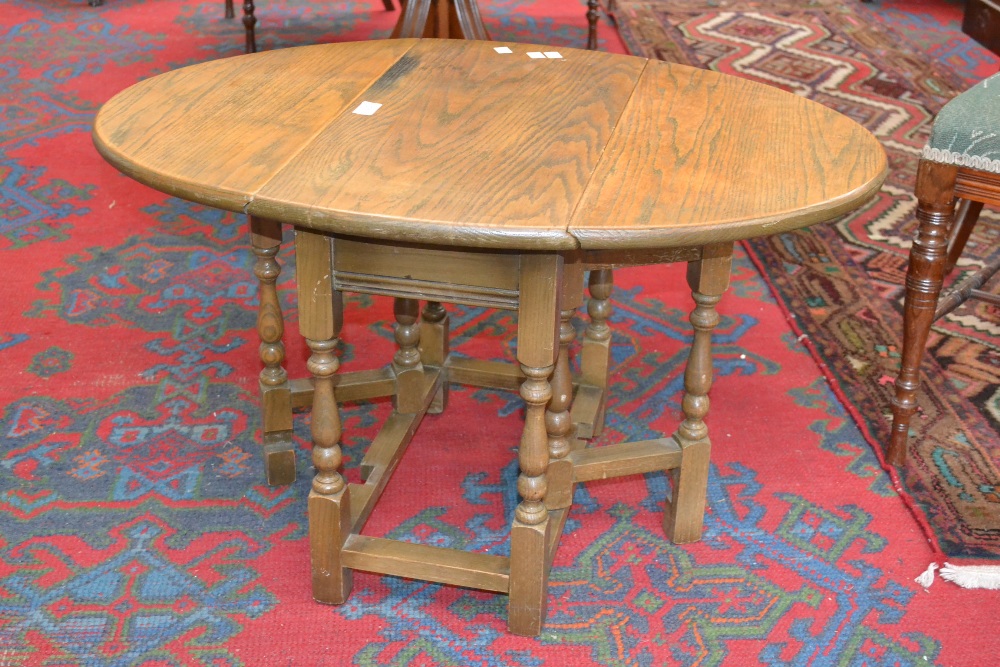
(491, 178)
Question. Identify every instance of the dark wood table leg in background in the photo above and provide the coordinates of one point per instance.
(593, 13)
(249, 26)
(443, 19)
(708, 279)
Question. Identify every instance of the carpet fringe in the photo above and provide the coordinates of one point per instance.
(927, 578)
(966, 576)
(973, 576)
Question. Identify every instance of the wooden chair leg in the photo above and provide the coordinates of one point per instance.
(935, 191)
(966, 216)
(249, 23)
(685, 511)
(276, 405)
(537, 351)
(329, 499)
(230, 13)
(388, 5)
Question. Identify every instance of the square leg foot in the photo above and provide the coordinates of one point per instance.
(279, 463)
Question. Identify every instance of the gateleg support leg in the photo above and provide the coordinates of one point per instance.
(320, 321)
(434, 348)
(276, 397)
(708, 279)
(558, 415)
(595, 361)
(406, 365)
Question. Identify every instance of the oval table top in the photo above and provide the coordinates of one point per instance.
(474, 147)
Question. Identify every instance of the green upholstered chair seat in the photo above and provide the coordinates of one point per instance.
(967, 130)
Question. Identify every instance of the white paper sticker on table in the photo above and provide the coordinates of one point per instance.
(535, 54)
(552, 54)
(503, 49)
(367, 108)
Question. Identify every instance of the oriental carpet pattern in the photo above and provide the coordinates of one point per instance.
(842, 284)
(135, 526)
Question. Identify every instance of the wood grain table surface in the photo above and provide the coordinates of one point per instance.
(472, 147)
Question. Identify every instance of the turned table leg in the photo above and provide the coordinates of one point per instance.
(684, 515)
(935, 192)
(329, 499)
(559, 421)
(434, 348)
(595, 357)
(537, 350)
(276, 406)
(406, 364)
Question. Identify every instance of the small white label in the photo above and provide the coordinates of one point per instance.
(535, 54)
(503, 49)
(367, 108)
(552, 54)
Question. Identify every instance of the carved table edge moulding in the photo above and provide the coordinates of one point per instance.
(484, 174)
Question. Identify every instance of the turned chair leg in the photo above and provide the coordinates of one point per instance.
(684, 515)
(935, 191)
(229, 9)
(966, 216)
(276, 405)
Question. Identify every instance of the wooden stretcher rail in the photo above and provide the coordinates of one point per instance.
(426, 563)
(353, 386)
(629, 458)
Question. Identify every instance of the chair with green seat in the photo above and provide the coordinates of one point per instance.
(958, 173)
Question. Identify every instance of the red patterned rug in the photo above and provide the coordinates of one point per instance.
(841, 284)
(135, 527)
